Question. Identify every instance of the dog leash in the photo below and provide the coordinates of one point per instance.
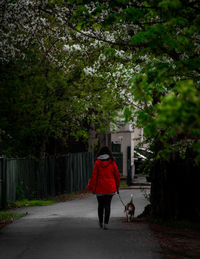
(122, 204)
(121, 199)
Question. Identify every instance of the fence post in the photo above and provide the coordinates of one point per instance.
(3, 184)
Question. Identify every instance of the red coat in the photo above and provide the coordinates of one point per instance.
(105, 177)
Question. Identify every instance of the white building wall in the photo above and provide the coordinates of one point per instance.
(126, 137)
(138, 135)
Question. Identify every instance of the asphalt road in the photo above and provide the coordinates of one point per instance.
(70, 230)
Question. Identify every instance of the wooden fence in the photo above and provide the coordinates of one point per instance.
(28, 178)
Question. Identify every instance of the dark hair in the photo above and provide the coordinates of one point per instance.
(104, 150)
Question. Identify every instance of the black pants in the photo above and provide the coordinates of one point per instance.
(104, 203)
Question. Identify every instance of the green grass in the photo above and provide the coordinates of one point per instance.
(52, 200)
(123, 185)
(29, 203)
(10, 216)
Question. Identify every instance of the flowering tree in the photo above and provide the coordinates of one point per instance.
(163, 39)
(99, 56)
(47, 79)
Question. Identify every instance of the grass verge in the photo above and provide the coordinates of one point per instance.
(52, 200)
(4, 215)
(29, 203)
(8, 217)
(123, 185)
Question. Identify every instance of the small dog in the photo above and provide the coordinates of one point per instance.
(130, 210)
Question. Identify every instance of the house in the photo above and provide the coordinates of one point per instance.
(124, 141)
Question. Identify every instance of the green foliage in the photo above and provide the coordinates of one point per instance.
(20, 193)
(29, 203)
(10, 216)
(168, 88)
(163, 39)
(47, 96)
(127, 114)
(44, 102)
(30, 101)
(23, 192)
(178, 110)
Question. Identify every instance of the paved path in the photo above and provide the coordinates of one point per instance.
(70, 230)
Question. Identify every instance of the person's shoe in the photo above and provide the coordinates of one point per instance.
(105, 227)
(100, 225)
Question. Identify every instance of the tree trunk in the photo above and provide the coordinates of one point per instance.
(175, 189)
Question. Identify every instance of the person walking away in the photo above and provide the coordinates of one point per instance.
(104, 182)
